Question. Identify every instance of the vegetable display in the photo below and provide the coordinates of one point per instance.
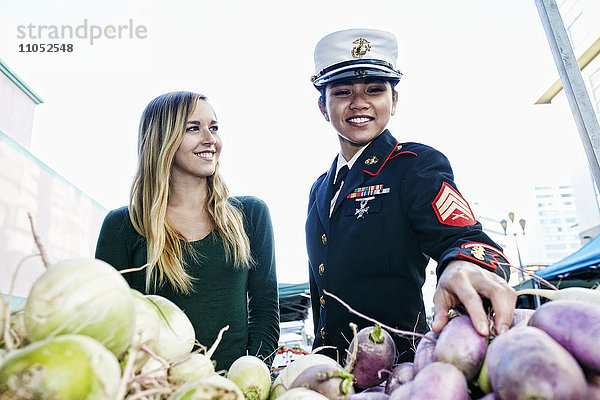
(84, 334)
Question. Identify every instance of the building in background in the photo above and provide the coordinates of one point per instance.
(557, 226)
(67, 221)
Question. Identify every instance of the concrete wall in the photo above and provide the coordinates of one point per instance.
(66, 219)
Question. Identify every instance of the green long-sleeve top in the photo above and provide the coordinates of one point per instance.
(246, 299)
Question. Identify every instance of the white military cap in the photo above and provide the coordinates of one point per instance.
(356, 53)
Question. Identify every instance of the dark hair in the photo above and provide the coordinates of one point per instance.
(322, 89)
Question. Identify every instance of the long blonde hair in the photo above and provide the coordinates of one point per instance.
(161, 131)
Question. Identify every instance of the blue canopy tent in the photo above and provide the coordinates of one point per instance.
(588, 257)
(580, 269)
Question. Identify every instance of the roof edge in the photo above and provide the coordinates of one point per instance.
(20, 84)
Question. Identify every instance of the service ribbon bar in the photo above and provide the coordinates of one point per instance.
(368, 191)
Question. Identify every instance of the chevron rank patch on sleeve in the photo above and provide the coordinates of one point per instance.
(451, 208)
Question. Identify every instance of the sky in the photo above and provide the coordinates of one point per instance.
(472, 72)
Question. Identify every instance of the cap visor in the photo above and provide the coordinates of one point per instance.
(356, 72)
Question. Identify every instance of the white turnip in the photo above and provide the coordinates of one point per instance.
(214, 387)
(526, 363)
(461, 345)
(66, 367)
(575, 325)
(301, 393)
(571, 293)
(193, 367)
(252, 376)
(375, 354)
(82, 296)
(176, 332)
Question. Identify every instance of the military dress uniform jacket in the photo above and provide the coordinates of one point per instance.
(397, 207)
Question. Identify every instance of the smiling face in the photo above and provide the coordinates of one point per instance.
(359, 111)
(199, 151)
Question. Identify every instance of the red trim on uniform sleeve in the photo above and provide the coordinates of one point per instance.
(482, 254)
(451, 208)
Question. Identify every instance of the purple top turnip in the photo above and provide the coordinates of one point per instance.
(575, 325)
(425, 353)
(401, 374)
(526, 363)
(375, 354)
(461, 345)
(438, 381)
(331, 382)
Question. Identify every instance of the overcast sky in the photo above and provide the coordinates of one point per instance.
(472, 72)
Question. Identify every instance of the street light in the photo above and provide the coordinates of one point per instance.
(522, 222)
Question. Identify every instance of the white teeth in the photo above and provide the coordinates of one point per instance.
(205, 155)
(359, 120)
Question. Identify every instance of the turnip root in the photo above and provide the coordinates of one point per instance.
(331, 382)
(570, 293)
(252, 376)
(301, 393)
(425, 352)
(575, 326)
(437, 381)
(284, 380)
(526, 363)
(461, 345)
(401, 374)
(376, 352)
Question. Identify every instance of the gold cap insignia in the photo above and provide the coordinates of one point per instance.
(478, 252)
(363, 46)
(371, 160)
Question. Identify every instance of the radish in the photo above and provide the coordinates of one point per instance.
(331, 382)
(437, 381)
(375, 353)
(526, 363)
(425, 352)
(284, 380)
(401, 374)
(252, 376)
(570, 293)
(574, 325)
(461, 345)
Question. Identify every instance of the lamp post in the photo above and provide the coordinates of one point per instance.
(522, 222)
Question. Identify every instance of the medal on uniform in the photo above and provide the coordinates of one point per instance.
(364, 209)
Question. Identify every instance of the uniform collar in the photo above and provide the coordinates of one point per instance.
(377, 153)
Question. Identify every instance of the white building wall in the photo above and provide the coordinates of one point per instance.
(67, 221)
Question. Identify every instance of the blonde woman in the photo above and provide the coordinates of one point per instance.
(210, 254)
